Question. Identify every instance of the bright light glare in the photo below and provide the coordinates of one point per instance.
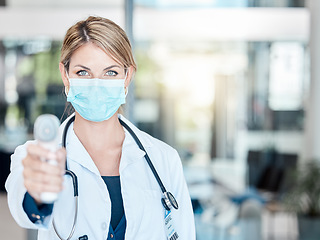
(286, 76)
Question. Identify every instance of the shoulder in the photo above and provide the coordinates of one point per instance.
(157, 149)
(147, 140)
(155, 144)
(162, 155)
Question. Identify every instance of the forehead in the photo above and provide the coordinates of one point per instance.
(91, 55)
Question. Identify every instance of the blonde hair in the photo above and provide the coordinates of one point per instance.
(105, 34)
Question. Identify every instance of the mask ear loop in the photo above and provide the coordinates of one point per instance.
(126, 89)
(66, 88)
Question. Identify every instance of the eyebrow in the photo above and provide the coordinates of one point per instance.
(107, 68)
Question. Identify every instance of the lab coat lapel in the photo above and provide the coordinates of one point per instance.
(130, 150)
(77, 153)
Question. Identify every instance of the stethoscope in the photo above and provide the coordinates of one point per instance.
(168, 200)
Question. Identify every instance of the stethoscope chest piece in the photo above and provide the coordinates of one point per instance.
(169, 201)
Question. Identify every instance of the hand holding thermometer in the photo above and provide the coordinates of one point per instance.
(46, 133)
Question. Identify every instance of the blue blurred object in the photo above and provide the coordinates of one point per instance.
(250, 193)
(197, 208)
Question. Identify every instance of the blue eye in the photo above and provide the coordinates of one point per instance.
(82, 73)
(111, 73)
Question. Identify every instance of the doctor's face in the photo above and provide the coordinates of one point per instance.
(90, 61)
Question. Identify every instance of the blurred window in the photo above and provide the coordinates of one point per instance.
(287, 65)
(32, 85)
(197, 87)
(64, 4)
(220, 3)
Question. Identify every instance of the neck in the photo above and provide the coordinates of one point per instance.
(97, 136)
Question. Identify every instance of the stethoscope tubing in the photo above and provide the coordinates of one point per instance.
(136, 139)
(74, 221)
(168, 200)
(155, 173)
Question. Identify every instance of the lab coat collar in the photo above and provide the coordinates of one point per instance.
(130, 150)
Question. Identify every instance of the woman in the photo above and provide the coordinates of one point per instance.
(119, 197)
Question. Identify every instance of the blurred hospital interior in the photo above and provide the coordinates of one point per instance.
(234, 86)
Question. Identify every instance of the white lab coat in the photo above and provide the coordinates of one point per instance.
(140, 191)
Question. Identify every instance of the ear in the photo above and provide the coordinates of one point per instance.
(129, 76)
(64, 75)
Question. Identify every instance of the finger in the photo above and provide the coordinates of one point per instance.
(52, 188)
(46, 178)
(27, 161)
(37, 151)
(36, 165)
(49, 168)
(40, 187)
(36, 197)
(31, 162)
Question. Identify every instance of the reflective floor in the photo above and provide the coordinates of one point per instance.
(271, 227)
(8, 228)
(279, 226)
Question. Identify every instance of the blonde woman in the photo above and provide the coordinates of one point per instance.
(120, 196)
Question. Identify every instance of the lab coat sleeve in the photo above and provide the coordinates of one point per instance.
(16, 192)
(183, 217)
